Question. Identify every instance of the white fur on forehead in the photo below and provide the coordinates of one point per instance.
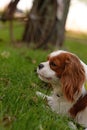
(55, 53)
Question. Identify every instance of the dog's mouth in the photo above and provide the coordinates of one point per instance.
(43, 77)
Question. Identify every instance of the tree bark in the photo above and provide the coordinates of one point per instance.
(46, 23)
(40, 22)
(61, 21)
(9, 11)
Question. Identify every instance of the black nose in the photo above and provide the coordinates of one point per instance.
(40, 66)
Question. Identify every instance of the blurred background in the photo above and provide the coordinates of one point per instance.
(40, 24)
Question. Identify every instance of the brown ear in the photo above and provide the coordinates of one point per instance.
(72, 78)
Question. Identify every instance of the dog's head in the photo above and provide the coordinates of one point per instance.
(66, 67)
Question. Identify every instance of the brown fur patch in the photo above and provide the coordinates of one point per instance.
(80, 105)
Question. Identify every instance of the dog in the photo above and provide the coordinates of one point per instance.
(67, 75)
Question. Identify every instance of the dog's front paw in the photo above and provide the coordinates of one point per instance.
(53, 103)
(72, 125)
(39, 94)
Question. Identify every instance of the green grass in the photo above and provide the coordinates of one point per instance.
(20, 108)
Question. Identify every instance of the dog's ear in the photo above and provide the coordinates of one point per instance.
(72, 78)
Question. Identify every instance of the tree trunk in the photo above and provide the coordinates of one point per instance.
(9, 11)
(61, 21)
(40, 22)
(46, 23)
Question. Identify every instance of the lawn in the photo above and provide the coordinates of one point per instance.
(20, 108)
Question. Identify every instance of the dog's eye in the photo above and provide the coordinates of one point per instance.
(52, 64)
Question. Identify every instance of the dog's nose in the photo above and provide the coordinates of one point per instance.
(40, 66)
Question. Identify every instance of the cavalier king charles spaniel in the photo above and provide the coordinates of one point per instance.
(67, 74)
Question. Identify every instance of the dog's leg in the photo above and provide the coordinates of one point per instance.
(39, 94)
(42, 95)
(72, 125)
(51, 100)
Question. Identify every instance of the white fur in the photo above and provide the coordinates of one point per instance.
(55, 53)
(58, 103)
